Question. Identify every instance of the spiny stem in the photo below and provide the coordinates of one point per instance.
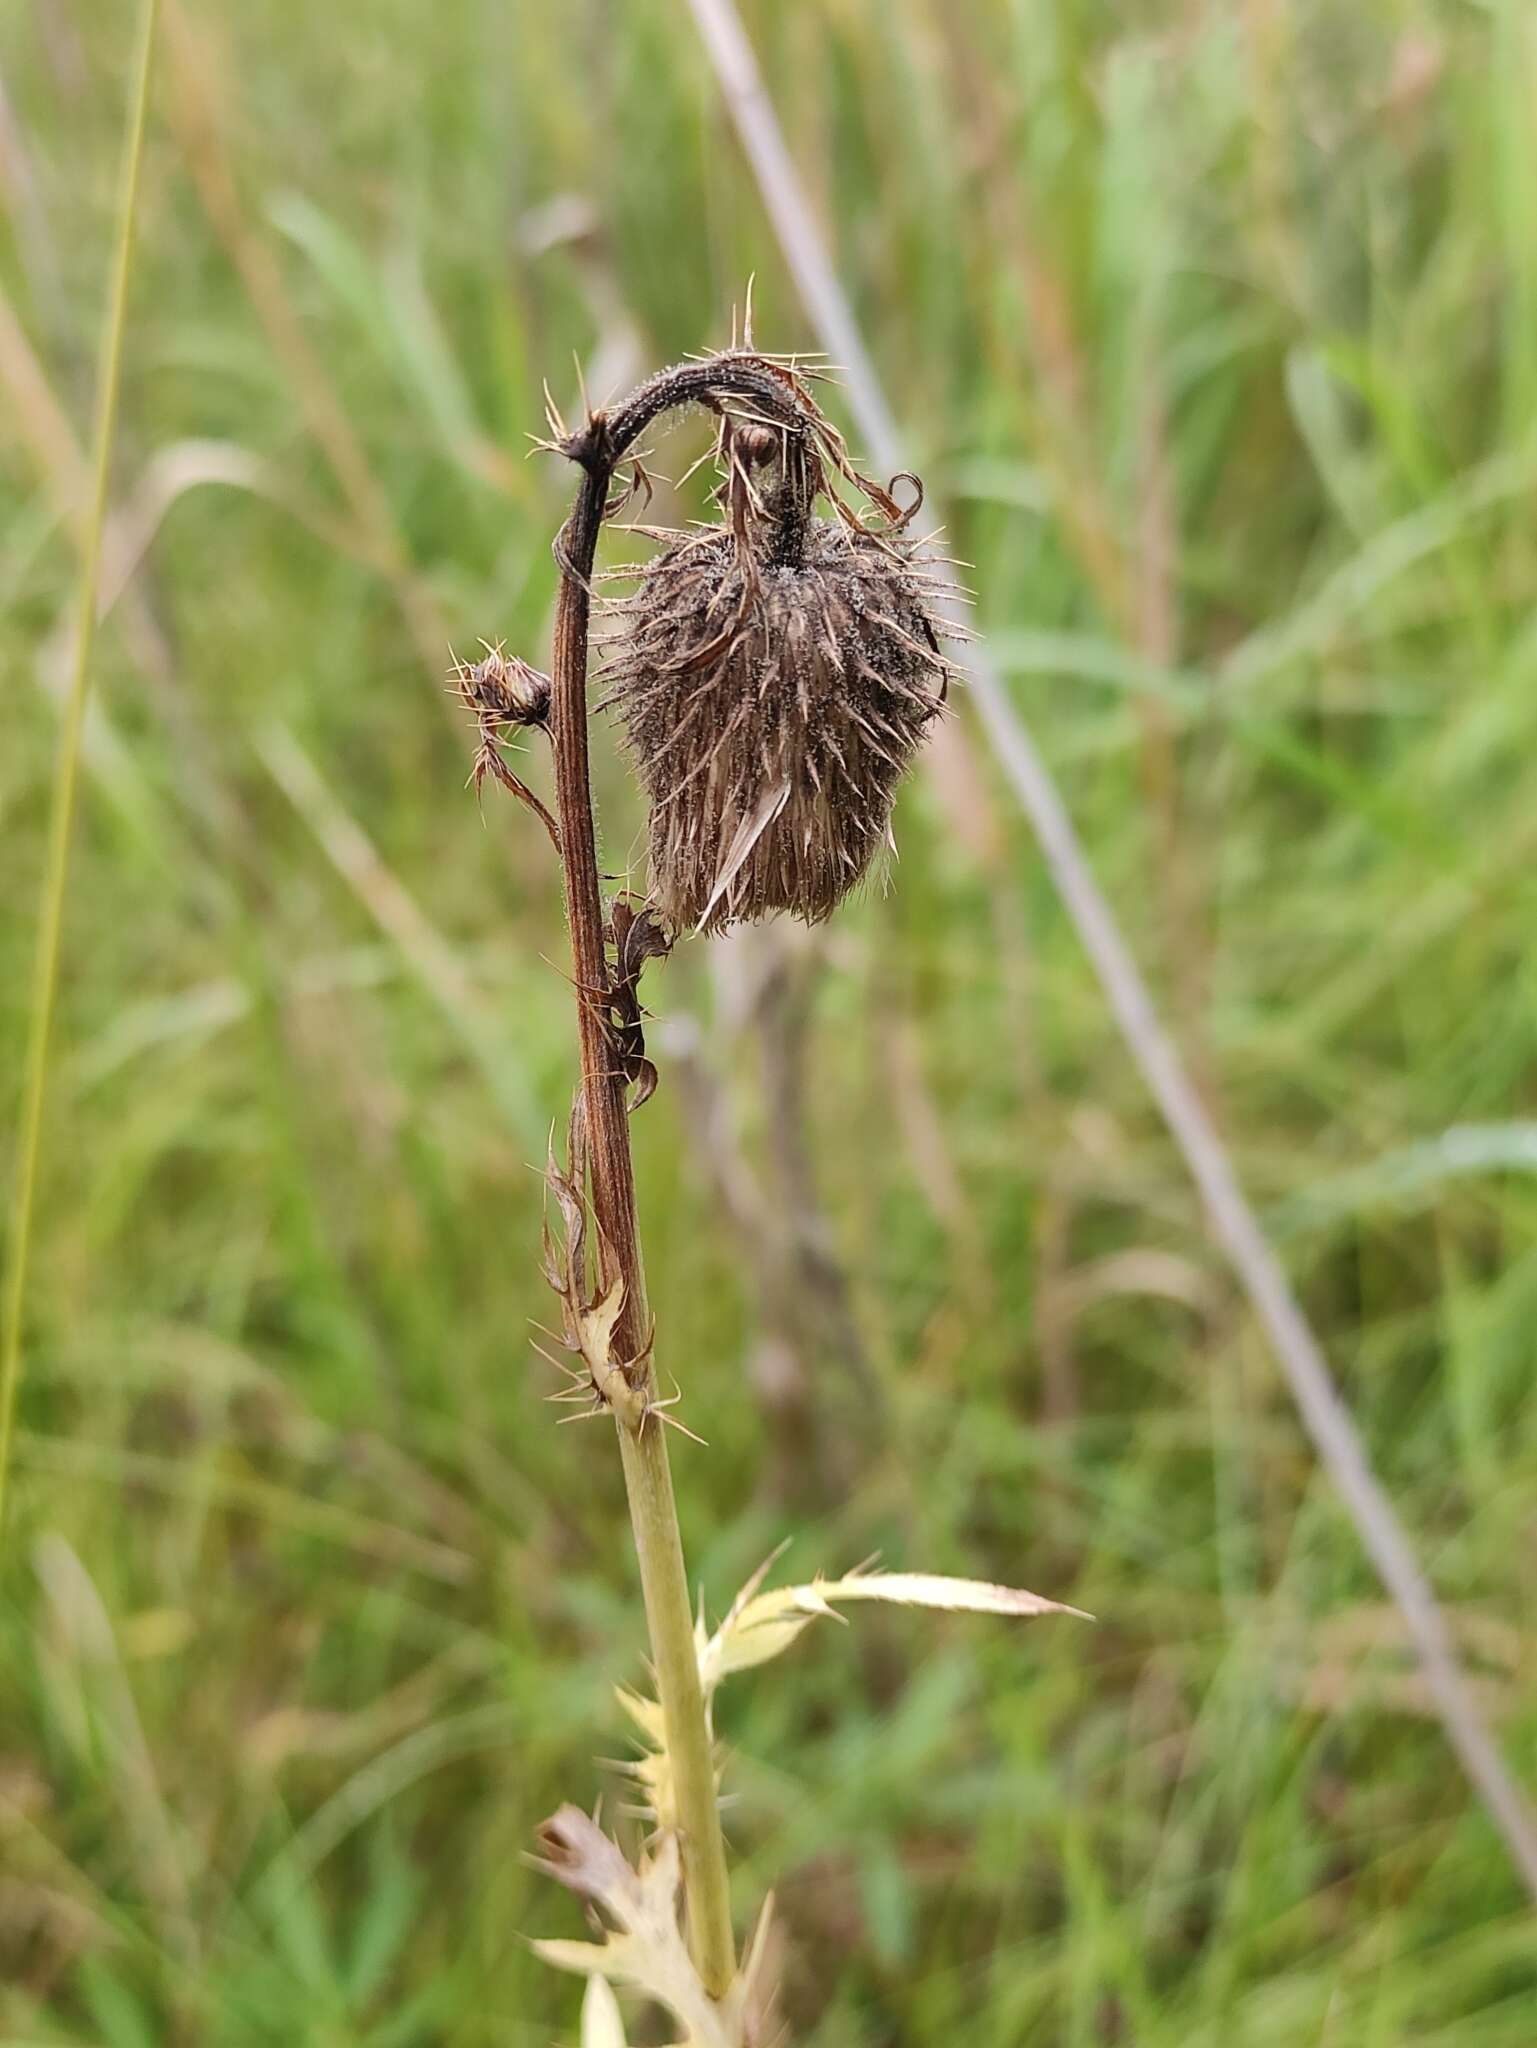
(648, 1479)
(45, 965)
(598, 448)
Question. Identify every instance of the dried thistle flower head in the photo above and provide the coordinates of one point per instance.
(775, 675)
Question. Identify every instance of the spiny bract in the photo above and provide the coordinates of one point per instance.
(772, 708)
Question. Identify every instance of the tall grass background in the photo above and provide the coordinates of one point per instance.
(1217, 330)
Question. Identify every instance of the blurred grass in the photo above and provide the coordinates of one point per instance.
(1217, 326)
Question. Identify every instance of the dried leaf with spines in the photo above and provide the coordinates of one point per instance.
(637, 937)
(589, 1310)
(760, 1625)
(763, 1625)
(590, 1313)
(505, 695)
(644, 1948)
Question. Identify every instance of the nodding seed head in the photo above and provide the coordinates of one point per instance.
(772, 704)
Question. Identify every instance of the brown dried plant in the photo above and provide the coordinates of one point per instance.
(775, 675)
(774, 671)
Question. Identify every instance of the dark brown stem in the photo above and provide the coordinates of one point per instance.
(598, 448)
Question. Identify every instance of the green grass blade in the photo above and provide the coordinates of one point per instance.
(45, 970)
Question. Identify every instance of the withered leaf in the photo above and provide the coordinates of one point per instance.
(645, 1950)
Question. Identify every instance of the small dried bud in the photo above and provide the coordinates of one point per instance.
(772, 707)
(504, 693)
(502, 690)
